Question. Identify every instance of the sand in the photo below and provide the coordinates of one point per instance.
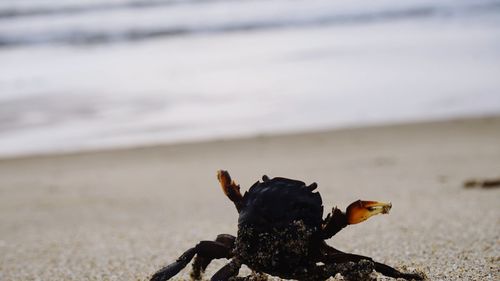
(120, 215)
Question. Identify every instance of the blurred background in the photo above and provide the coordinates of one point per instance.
(93, 74)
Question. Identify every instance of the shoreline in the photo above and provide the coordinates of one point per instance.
(246, 137)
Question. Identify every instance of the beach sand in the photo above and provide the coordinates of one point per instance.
(122, 214)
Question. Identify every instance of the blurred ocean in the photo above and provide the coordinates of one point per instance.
(91, 74)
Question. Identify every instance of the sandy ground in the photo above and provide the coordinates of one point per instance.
(120, 215)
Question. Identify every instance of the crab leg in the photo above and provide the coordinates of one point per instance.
(201, 262)
(172, 269)
(379, 267)
(332, 255)
(229, 270)
(230, 188)
(392, 272)
(209, 249)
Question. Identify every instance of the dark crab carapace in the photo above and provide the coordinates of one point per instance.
(281, 232)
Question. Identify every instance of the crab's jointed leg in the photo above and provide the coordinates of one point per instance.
(201, 262)
(230, 188)
(207, 249)
(229, 270)
(332, 255)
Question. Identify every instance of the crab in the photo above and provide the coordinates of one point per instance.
(281, 232)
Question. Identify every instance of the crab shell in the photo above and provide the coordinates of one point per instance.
(278, 226)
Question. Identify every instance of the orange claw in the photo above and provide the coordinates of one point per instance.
(230, 188)
(360, 211)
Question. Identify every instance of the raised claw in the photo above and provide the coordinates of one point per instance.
(360, 211)
(229, 186)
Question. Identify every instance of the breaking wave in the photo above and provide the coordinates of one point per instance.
(124, 21)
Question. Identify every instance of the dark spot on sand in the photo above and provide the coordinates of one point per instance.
(482, 183)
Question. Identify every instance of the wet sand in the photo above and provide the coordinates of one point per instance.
(122, 214)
